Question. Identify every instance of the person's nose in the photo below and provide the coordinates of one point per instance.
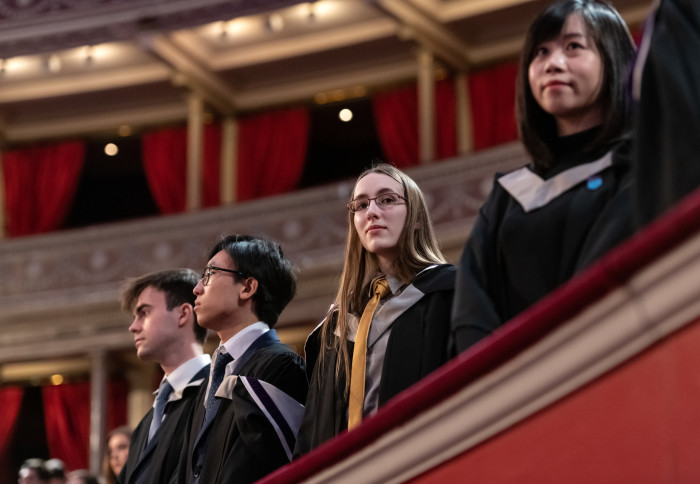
(135, 326)
(555, 62)
(198, 288)
(373, 209)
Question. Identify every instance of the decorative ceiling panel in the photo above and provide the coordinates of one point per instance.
(33, 26)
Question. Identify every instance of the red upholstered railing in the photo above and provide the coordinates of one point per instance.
(611, 272)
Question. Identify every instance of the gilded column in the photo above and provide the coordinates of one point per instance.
(195, 130)
(426, 106)
(229, 161)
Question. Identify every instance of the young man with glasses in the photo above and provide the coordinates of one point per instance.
(165, 331)
(246, 418)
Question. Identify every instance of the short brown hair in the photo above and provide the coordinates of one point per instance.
(178, 286)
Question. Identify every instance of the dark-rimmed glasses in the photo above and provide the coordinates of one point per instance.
(209, 269)
(383, 201)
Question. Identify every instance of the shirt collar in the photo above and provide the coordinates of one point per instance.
(239, 342)
(181, 376)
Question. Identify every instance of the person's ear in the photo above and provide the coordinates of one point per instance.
(250, 287)
(185, 314)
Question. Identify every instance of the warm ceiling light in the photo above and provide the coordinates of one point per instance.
(274, 22)
(227, 30)
(345, 115)
(324, 8)
(24, 64)
(111, 149)
(53, 64)
(56, 379)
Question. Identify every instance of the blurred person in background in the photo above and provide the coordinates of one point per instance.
(33, 471)
(56, 470)
(116, 452)
(81, 476)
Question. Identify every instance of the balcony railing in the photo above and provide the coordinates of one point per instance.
(595, 383)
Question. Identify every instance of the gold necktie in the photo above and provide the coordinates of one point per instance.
(359, 354)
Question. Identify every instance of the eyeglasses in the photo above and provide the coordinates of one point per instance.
(210, 269)
(383, 201)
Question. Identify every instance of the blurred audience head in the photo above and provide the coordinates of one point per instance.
(56, 470)
(117, 450)
(81, 476)
(33, 471)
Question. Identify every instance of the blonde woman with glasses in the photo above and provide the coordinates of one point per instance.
(389, 324)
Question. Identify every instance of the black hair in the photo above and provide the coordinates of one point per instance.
(264, 260)
(537, 128)
(55, 468)
(178, 286)
(84, 476)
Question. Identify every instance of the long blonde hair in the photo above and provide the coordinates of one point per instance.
(418, 249)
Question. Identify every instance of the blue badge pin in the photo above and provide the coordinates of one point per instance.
(594, 182)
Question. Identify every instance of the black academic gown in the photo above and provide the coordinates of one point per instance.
(241, 445)
(667, 122)
(514, 258)
(417, 345)
(158, 462)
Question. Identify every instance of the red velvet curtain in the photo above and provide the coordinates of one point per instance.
(271, 152)
(40, 183)
(11, 398)
(396, 118)
(446, 122)
(117, 391)
(492, 96)
(67, 418)
(211, 163)
(165, 163)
